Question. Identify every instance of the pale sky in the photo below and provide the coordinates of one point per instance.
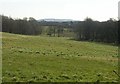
(100, 10)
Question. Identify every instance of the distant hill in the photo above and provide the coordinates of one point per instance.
(56, 20)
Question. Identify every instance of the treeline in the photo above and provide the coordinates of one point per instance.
(87, 30)
(90, 30)
(21, 26)
(30, 26)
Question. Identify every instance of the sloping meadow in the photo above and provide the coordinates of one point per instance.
(57, 59)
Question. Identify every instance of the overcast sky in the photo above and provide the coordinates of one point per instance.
(100, 10)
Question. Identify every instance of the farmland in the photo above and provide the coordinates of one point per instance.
(56, 59)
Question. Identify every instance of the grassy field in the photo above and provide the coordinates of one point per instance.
(56, 59)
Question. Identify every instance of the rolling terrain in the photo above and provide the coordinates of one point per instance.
(56, 59)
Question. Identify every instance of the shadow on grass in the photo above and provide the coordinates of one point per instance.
(96, 42)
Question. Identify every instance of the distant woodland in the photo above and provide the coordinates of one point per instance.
(87, 30)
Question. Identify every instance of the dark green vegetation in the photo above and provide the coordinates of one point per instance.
(39, 58)
(88, 30)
